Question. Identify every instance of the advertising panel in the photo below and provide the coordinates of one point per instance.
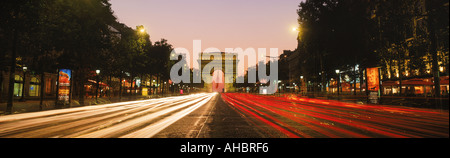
(373, 79)
(64, 78)
(373, 85)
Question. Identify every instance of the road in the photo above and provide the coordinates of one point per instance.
(229, 115)
(136, 119)
(296, 117)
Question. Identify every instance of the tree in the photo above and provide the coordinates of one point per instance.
(395, 27)
(334, 35)
(18, 20)
(136, 45)
(78, 35)
(315, 19)
(161, 54)
(412, 34)
(83, 34)
(437, 12)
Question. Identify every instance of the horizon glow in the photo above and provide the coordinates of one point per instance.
(219, 24)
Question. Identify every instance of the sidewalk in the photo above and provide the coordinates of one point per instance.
(49, 104)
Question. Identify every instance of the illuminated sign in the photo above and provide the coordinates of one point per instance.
(373, 85)
(144, 91)
(373, 79)
(64, 77)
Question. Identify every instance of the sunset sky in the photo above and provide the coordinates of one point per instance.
(218, 23)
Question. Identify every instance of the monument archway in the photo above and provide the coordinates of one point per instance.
(221, 73)
(218, 82)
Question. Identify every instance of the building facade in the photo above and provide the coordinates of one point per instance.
(28, 85)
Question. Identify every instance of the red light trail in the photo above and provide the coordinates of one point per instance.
(296, 117)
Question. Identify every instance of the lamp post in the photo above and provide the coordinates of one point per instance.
(22, 99)
(164, 88)
(153, 85)
(338, 72)
(141, 30)
(301, 85)
(98, 85)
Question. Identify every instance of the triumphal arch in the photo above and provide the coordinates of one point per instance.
(220, 70)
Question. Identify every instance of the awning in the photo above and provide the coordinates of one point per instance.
(95, 82)
(444, 80)
(391, 83)
(417, 82)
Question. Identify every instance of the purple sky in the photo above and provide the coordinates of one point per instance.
(218, 23)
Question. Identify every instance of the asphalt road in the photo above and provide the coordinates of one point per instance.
(295, 117)
(214, 120)
(136, 119)
(193, 116)
(229, 115)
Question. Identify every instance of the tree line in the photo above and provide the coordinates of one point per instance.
(405, 38)
(83, 36)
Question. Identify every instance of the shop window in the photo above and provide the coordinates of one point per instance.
(34, 87)
(18, 85)
(48, 86)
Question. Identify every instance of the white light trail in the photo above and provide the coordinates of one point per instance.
(125, 119)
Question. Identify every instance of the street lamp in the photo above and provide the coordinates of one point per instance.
(300, 86)
(338, 80)
(164, 88)
(295, 29)
(22, 99)
(98, 85)
(140, 29)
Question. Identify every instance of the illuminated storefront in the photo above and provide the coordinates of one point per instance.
(416, 87)
(31, 87)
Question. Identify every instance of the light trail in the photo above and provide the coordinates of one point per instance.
(153, 129)
(305, 117)
(102, 121)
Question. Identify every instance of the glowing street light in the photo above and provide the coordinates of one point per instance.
(301, 83)
(140, 29)
(22, 98)
(98, 86)
(338, 81)
(295, 29)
